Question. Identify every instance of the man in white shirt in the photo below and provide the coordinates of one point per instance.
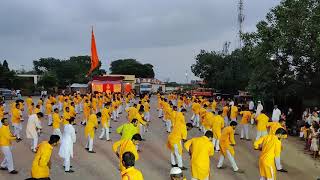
(33, 129)
(276, 114)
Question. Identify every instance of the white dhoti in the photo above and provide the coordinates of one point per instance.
(261, 134)
(244, 131)
(17, 129)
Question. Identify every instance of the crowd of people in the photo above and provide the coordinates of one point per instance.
(217, 120)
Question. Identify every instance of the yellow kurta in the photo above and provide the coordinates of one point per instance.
(105, 117)
(271, 149)
(201, 150)
(246, 115)
(56, 121)
(5, 136)
(226, 139)
(234, 112)
(91, 125)
(217, 123)
(262, 121)
(16, 116)
(179, 132)
(40, 168)
(123, 146)
(131, 174)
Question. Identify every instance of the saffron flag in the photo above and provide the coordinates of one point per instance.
(94, 54)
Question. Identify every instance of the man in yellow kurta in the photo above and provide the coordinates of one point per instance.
(16, 121)
(226, 146)
(56, 123)
(225, 111)
(270, 147)
(200, 150)
(246, 116)
(105, 121)
(66, 116)
(273, 127)
(90, 129)
(49, 112)
(217, 124)
(41, 163)
(196, 111)
(86, 111)
(262, 122)
(233, 113)
(130, 172)
(175, 138)
(126, 145)
(5, 143)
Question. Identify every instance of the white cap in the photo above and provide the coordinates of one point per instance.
(175, 170)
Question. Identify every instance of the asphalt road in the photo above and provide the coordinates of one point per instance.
(154, 159)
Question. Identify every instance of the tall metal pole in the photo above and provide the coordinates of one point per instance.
(240, 21)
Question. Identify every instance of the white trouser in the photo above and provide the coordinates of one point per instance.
(60, 106)
(17, 129)
(160, 113)
(278, 163)
(147, 116)
(114, 115)
(127, 106)
(231, 159)
(168, 125)
(117, 112)
(261, 134)
(77, 109)
(142, 130)
(105, 131)
(207, 178)
(196, 120)
(8, 160)
(192, 117)
(175, 155)
(216, 144)
(245, 131)
(89, 143)
(57, 132)
(179, 109)
(49, 119)
(66, 163)
(226, 121)
(34, 143)
(81, 107)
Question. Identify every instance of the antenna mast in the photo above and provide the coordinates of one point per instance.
(240, 21)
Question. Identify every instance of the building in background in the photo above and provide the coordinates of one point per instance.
(113, 83)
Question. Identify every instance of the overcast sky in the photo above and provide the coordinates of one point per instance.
(165, 33)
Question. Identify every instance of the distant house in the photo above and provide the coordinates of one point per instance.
(30, 77)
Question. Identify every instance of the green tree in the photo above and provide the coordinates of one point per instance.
(285, 52)
(66, 72)
(132, 67)
(228, 73)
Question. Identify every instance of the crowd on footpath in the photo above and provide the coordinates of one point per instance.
(217, 120)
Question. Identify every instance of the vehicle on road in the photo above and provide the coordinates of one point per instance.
(6, 94)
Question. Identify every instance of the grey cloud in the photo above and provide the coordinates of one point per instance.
(156, 32)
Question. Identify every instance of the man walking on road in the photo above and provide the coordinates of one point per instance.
(5, 143)
(200, 150)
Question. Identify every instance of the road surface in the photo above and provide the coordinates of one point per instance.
(154, 159)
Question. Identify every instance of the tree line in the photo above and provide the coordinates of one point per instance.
(279, 63)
